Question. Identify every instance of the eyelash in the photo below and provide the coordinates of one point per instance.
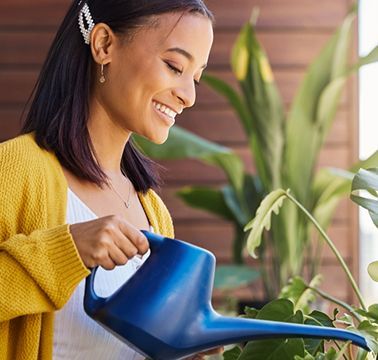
(179, 72)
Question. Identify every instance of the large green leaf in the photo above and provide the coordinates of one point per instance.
(262, 220)
(317, 318)
(304, 132)
(371, 57)
(276, 349)
(298, 292)
(236, 207)
(329, 98)
(251, 67)
(183, 144)
(370, 332)
(232, 354)
(208, 199)
(365, 191)
(330, 185)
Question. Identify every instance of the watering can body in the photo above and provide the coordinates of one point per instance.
(164, 310)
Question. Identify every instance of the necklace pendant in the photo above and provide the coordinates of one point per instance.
(127, 204)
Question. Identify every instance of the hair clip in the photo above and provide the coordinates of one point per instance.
(86, 31)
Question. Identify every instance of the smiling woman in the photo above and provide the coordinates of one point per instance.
(75, 191)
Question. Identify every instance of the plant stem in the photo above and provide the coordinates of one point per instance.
(336, 301)
(333, 248)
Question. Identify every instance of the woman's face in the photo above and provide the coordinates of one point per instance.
(152, 77)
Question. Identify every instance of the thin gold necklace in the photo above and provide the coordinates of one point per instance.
(127, 202)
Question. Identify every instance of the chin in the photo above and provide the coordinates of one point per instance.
(158, 139)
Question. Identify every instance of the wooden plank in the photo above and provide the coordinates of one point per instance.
(273, 13)
(334, 282)
(277, 13)
(221, 126)
(192, 171)
(224, 127)
(24, 47)
(32, 14)
(218, 238)
(10, 123)
(284, 48)
(288, 81)
(182, 213)
(15, 86)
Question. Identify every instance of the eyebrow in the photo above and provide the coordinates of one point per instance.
(184, 53)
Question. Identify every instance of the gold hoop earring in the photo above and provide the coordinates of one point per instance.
(102, 77)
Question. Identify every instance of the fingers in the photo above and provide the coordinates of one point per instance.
(136, 237)
(119, 257)
(108, 241)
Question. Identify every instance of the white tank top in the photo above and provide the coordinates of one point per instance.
(76, 335)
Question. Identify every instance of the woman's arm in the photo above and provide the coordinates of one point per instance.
(38, 272)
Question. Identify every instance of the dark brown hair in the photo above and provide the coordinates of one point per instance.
(59, 108)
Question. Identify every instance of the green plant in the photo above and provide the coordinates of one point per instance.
(285, 149)
(296, 298)
(365, 194)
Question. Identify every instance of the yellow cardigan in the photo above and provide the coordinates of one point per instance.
(39, 263)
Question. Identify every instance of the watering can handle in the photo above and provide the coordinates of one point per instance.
(91, 300)
(155, 240)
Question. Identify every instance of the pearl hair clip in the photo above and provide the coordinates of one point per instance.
(86, 31)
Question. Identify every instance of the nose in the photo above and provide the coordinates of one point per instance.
(186, 93)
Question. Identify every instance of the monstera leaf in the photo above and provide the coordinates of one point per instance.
(268, 206)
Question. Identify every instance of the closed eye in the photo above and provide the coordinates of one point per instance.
(174, 69)
(179, 72)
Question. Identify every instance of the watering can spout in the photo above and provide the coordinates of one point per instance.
(236, 330)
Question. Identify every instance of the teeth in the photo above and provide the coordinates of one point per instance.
(164, 109)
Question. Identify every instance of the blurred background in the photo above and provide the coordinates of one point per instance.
(292, 33)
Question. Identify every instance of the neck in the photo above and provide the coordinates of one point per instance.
(108, 139)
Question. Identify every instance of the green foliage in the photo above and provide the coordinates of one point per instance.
(297, 298)
(232, 354)
(298, 292)
(365, 194)
(269, 205)
(284, 310)
(366, 183)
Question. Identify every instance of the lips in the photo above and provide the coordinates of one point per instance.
(165, 109)
(168, 115)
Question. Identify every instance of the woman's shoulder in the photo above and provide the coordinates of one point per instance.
(22, 150)
(23, 157)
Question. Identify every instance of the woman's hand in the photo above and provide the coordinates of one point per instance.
(201, 356)
(108, 241)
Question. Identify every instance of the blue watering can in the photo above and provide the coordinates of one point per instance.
(164, 310)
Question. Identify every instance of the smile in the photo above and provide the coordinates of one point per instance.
(164, 109)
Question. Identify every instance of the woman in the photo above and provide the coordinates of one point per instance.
(75, 192)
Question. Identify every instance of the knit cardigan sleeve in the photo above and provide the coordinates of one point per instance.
(39, 263)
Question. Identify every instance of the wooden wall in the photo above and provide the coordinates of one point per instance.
(292, 32)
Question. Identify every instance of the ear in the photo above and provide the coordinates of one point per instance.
(102, 43)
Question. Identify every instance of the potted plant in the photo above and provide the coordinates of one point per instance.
(282, 158)
(295, 300)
